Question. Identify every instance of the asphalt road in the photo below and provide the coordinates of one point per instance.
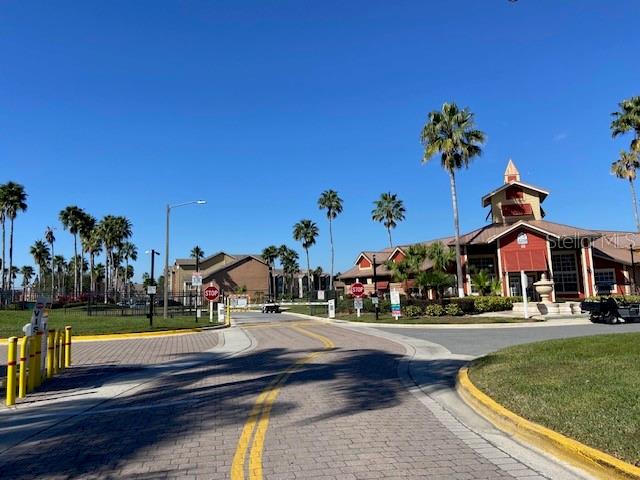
(480, 341)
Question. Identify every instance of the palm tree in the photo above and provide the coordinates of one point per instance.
(269, 255)
(306, 232)
(15, 201)
(452, 133)
(87, 226)
(59, 265)
(113, 232)
(626, 168)
(129, 252)
(93, 246)
(389, 210)
(628, 119)
(71, 218)
(197, 253)
(3, 221)
(27, 274)
(40, 253)
(289, 261)
(50, 238)
(122, 226)
(332, 203)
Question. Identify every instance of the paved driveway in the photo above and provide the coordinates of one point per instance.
(480, 341)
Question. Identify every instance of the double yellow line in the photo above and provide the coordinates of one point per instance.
(255, 428)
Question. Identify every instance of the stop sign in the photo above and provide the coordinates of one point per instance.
(211, 293)
(357, 289)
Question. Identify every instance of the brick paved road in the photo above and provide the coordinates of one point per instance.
(343, 415)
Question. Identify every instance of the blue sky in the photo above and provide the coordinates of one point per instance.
(257, 106)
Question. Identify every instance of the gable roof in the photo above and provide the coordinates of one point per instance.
(486, 200)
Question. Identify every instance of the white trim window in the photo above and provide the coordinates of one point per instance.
(565, 272)
(477, 263)
(606, 276)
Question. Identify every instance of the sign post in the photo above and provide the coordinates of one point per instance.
(357, 290)
(211, 293)
(524, 281)
(395, 303)
(332, 308)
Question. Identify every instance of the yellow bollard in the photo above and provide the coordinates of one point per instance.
(60, 356)
(38, 362)
(67, 346)
(32, 365)
(22, 380)
(51, 352)
(55, 352)
(11, 371)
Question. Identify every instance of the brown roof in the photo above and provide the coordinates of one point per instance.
(487, 198)
(616, 246)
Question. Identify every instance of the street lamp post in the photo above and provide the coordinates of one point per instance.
(166, 252)
(152, 297)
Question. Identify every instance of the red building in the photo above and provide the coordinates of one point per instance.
(519, 238)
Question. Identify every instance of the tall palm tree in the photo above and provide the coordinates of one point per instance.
(123, 231)
(626, 168)
(452, 133)
(40, 253)
(389, 210)
(27, 274)
(197, 253)
(50, 238)
(289, 260)
(86, 228)
(332, 203)
(71, 218)
(59, 265)
(269, 255)
(15, 201)
(93, 246)
(114, 230)
(129, 252)
(628, 119)
(3, 221)
(306, 232)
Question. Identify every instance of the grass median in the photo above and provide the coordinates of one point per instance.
(11, 322)
(585, 388)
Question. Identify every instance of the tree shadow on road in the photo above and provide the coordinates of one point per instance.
(210, 396)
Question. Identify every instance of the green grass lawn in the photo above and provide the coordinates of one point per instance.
(11, 322)
(321, 311)
(586, 388)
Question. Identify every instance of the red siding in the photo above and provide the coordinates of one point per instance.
(531, 257)
(517, 210)
(364, 263)
(514, 193)
(620, 279)
(398, 257)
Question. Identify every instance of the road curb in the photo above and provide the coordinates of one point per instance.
(590, 459)
(138, 335)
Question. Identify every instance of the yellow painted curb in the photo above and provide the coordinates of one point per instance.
(590, 459)
(136, 335)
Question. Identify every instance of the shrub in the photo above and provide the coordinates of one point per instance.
(493, 304)
(466, 304)
(412, 311)
(453, 309)
(434, 310)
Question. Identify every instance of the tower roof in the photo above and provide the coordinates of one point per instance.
(511, 173)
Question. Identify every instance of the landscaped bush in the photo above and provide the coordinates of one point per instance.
(493, 304)
(412, 311)
(466, 304)
(434, 310)
(453, 309)
(619, 298)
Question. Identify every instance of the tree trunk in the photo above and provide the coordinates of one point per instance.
(3, 252)
(308, 272)
(11, 260)
(53, 272)
(75, 265)
(92, 284)
(635, 204)
(390, 241)
(81, 266)
(332, 253)
(456, 225)
(106, 275)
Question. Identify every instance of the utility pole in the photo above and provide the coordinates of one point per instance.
(375, 287)
(633, 271)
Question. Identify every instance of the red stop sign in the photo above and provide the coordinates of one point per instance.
(211, 293)
(357, 289)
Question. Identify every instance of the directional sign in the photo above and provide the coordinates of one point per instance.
(211, 293)
(196, 280)
(357, 289)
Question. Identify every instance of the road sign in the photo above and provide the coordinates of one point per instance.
(358, 304)
(357, 289)
(196, 280)
(211, 293)
(151, 289)
(395, 303)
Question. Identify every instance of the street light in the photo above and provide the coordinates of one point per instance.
(166, 252)
(152, 296)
